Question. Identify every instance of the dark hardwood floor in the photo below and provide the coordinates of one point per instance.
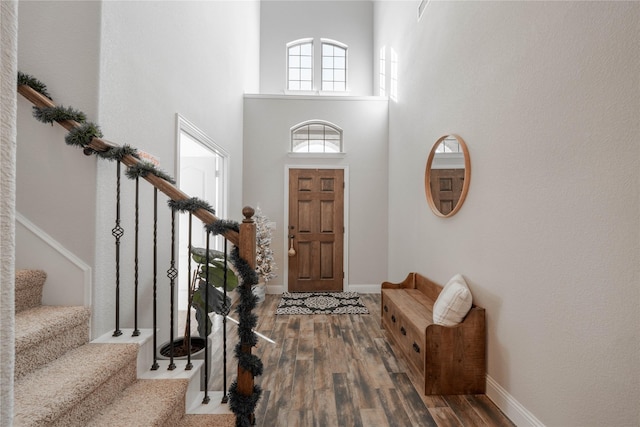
(340, 370)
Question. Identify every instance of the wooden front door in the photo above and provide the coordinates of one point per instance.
(316, 229)
(446, 188)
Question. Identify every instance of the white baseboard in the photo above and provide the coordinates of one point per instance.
(510, 406)
(362, 289)
(68, 277)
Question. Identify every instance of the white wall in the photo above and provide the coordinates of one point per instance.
(267, 124)
(546, 95)
(349, 22)
(59, 44)
(158, 59)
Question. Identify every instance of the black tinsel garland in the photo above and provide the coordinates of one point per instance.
(239, 404)
(222, 225)
(190, 205)
(243, 406)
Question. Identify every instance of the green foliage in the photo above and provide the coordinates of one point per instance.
(142, 169)
(216, 302)
(58, 114)
(83, 134)
(33, 83)
(118, 153)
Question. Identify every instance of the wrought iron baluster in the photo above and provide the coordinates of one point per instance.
(206, 398)
(189, 298)
(172, 273)
(117, 232)
(136, 331)
(155, 365)
(225, 312)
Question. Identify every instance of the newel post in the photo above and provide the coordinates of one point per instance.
(247, 249)
(248, 236)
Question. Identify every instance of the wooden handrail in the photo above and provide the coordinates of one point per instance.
(102, 145)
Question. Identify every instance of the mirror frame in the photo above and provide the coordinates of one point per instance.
(465, 185)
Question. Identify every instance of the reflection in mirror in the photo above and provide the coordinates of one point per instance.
(447, 175)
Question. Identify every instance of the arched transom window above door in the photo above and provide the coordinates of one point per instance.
(316, 136)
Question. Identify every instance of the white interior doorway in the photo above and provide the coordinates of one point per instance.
(202, 173)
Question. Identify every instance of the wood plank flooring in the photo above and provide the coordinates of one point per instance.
(340, 370)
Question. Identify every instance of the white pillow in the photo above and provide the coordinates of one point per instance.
(453, 303)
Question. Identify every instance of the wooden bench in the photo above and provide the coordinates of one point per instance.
(451, 359)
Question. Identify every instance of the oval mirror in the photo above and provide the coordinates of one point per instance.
(446, 179)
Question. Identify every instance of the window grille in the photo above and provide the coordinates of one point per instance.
(316, 137)
(334, 66)
(300, 65)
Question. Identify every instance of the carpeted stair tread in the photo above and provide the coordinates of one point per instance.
(38, 324)
(45, 333)
(208, 420)
(68, 388)
(28, 288)
(149, 403)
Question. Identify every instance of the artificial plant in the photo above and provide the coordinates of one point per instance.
(265, 262)
(215, 269)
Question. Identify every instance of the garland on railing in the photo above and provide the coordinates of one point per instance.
(222, 225)
(33, 83)
(58, 114)
(144, 168)
(243, 406)
(190, 205)
(118, 153)
(82, 135)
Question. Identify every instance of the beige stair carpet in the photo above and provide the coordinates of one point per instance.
(62, 380)
(71, 389)
(45, 333)
(152, 403)
(28, 288)
(208, 420)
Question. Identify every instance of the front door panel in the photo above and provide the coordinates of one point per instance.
(316, 229)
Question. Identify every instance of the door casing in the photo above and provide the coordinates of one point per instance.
(345, 260)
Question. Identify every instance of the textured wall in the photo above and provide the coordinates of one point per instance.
(8, 70)
(546, 95)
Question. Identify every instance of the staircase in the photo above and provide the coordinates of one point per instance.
(62, 379)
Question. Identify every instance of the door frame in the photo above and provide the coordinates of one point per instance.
(207, 143)
(345, 256)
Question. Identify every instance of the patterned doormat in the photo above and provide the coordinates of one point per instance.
(321, 303)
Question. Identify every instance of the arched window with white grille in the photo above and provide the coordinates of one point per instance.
(334, 66)
(316, 136)
(300, 65)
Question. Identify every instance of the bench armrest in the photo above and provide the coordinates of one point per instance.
(456, 356)
(408, 283)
